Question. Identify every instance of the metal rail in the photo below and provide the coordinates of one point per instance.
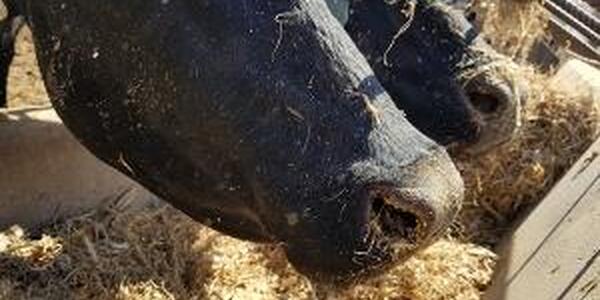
(580, 11)
(577, 22)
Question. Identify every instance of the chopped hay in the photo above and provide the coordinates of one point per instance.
(165, 255)
(512, 25)
(37, 254)
(143, 291)
(162, 254)
(25, 85)
(446, 270)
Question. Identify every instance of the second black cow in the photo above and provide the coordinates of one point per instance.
(437, 67)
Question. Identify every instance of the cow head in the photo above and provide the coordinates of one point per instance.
(452, 85)
(258, 118)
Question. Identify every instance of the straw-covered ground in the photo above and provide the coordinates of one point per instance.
(162, 254)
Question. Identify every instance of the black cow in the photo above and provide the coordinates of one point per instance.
(418, 48)
(425, 74)
(258, 118)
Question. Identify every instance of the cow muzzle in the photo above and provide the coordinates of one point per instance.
(495, 100)
(409, 217)
(393, 221)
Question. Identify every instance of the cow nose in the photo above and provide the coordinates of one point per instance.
(381, 223)
(496, 104)
(400, 214)
(486, 103)
(490, 98)
(418, 211)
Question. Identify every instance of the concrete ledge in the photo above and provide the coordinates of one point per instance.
(45, 174)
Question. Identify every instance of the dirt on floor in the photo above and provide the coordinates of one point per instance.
(25, 85)
(162, 254)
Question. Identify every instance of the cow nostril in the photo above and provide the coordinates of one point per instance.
(485, 103)
(393, 222)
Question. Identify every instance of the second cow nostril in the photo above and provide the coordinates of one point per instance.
(484, 102)
(393, 222)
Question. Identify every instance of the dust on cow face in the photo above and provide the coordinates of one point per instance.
(258, 118)
(439, 71)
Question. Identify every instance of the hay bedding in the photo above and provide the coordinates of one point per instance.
(162, 254)
(165, 255)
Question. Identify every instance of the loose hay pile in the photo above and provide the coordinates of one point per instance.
(165, 255)
(162, 254)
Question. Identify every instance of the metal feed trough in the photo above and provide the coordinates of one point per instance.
(45, 174)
